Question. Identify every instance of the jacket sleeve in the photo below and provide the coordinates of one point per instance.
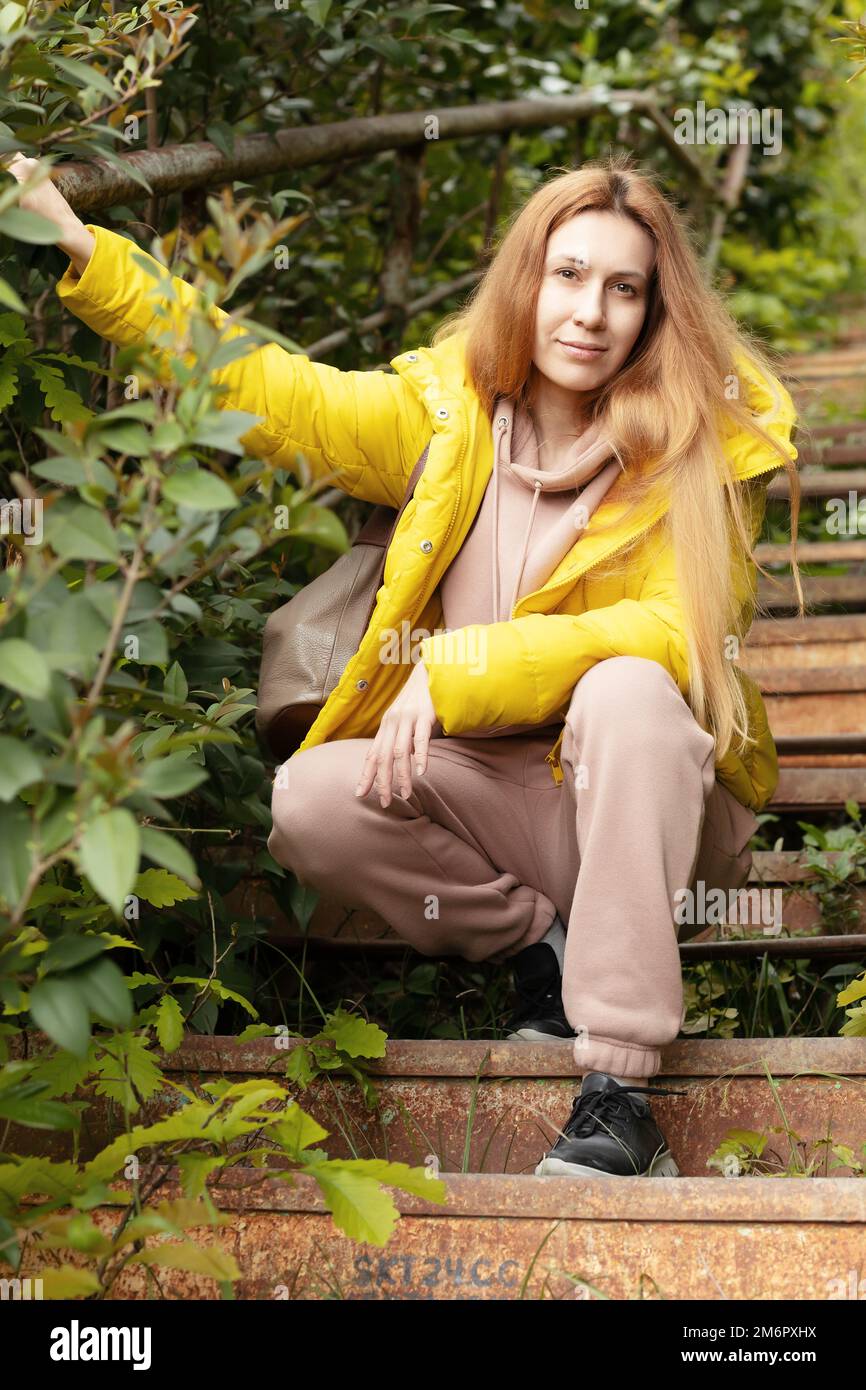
(523, 671)
(363, 431)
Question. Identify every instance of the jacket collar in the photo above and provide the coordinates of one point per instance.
(438, 375)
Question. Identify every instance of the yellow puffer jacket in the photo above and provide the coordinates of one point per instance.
(368, 429)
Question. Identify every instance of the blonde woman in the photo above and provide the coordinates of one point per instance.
(569, 754)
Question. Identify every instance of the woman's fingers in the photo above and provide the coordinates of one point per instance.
(394, 760)
(423, 730)
(388, 764)
(46, 199)
(368, 771)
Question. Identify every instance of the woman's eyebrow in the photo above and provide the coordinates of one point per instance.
(580, 261)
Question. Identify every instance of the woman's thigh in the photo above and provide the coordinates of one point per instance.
(496, 794)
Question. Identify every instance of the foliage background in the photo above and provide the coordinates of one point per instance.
(135, 800)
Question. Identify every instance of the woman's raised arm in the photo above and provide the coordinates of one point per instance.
(364, 431)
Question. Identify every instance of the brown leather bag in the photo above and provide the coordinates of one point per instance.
(309, 640)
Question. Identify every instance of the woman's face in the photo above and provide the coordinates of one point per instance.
(593, 298)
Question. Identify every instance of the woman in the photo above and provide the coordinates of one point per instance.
(602, 438)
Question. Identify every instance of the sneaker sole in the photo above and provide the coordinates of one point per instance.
(535, 1035)
(662, 1167)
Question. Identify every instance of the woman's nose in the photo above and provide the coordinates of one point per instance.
(589, 311)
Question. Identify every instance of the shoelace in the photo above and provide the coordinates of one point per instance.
(586, 1118)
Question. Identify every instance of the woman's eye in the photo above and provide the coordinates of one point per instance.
(623, 285)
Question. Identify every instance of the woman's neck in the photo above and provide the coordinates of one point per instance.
(558, 417)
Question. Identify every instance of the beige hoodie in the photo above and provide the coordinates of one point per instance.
(495, 560)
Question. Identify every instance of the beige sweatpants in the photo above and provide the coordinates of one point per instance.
(476, 861)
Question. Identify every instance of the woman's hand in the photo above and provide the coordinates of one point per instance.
(404, 730)
(72, 235)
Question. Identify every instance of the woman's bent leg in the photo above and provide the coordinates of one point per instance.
(426, 864)
(638, 771)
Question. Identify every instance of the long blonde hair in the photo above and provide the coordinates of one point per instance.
(666, 410)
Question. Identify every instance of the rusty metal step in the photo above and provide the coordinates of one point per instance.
(820, 483)
(846, 431)
(811, 552)
(818, 788)
(807, 632)
(480, 1114)
(850, 454)
(509, 1237)
(488, 1106)
(819, 591)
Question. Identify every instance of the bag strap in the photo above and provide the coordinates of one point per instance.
(381, 524)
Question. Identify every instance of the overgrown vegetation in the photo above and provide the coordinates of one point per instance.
(134, 799)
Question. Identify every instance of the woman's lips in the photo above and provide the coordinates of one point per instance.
(581, 354)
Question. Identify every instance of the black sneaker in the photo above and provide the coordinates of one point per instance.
(538, 1014)
(611, 1134)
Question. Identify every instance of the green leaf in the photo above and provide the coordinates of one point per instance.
(218, 988)
(24, 225)
(132, 1074)
(68, 952)
(852, 992)
(58, 1008)
(418, 1181)
(68, 1281)
(317, 10)
(11, 297)
(36, 1113)
(81, 533)
(109, 853)
(354, 1035)
(63, 403)
(172, 776)
(302, 900)
(199, 490)
(104, 990)
(15, 856)
(24, 669)
(210, 1260)
(169, 1023)
(11, 1250)
(359, 1206)
(72, 472)
(298, 1130)
(85, 75)
(19, 767)
(9, 364)
(162, 889)
(222, 429)
(163, 849)
(13, 329)
(195, 1169)
(175, 684)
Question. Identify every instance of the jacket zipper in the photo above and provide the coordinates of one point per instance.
(551, 757)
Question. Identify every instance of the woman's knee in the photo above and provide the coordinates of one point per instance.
(623, 688)
(307, 794)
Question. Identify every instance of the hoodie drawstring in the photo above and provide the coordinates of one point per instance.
(494, 549)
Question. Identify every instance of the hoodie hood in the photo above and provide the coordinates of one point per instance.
(587, 472)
